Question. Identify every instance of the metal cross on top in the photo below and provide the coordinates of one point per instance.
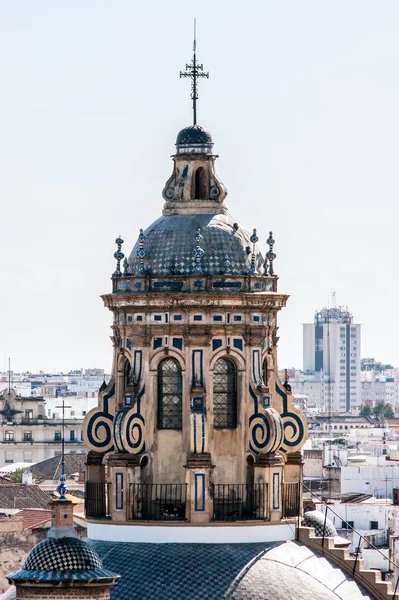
(62, 489)
(194, 70)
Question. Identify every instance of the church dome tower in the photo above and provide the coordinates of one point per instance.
(195, 426)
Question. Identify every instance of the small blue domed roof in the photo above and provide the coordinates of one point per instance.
(194, 134)
(62, 554)
(317, 519)
(62, 559)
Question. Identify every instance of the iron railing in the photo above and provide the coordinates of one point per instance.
(240, 502)
(366, 543)
(97, 495)
(158, 501)
(291, 499)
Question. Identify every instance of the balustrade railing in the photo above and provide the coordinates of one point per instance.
(291, 499)
(158, 501)
(240, 502)
(97, 494)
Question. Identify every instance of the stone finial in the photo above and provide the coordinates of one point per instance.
(141, 253)
(254, 239)
(286, 383)
(61, 487)
(125, 267)
(198, 251)
(270, 254)
(225, 264)
(118, 255)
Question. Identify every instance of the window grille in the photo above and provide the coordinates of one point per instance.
(224, 394)
(169, 395)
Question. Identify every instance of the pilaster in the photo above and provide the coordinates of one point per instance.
(269, 470)
(124, 470)
(199, 504)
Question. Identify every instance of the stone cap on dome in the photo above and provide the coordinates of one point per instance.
(193, 134)
(62, 559)
(194, 139)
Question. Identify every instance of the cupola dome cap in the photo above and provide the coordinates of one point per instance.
(193, 134)
(63, 559)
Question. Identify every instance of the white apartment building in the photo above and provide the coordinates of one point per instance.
(331, 352)
(31, 427)
(380, 387)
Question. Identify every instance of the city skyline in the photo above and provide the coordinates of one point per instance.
(88, 128)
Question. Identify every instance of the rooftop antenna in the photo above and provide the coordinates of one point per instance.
(193, 71)
(9, 376)
(334, 299)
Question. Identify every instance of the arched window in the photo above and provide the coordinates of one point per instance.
(265, 373)
(200, 184)
(224, 394)
(169, 394)
(126, 374)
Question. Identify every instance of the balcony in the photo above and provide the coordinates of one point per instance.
(291, 493)
(240, 502)
(97, 494)
(158, 502)
(167, 502)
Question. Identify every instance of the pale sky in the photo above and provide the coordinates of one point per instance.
(302, 103)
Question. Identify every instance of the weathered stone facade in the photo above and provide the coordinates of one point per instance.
(196, 307)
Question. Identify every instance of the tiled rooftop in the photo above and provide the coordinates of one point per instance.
(286, 570)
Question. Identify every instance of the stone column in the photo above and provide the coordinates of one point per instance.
(124, 470)
(269, 470)
(199, 504)
(293, 473)
(95, 470)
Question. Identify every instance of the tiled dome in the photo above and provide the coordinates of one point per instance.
(62, 554)
(64, 560)
(170, 243)
(194, 134)
(316, 519)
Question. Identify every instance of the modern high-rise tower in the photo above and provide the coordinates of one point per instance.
(331, 348)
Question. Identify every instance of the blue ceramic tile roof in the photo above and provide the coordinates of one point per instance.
(194, 134)
(286, 570)
(62, 554)
(169, 247)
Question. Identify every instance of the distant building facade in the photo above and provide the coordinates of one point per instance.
(331, 354)
(31, 427)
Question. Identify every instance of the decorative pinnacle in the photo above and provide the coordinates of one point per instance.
(62, 488)
(270, 255)
(198, 251)
(254, 239)
(119, 256)
(125, 267)
(193, 71)
(141, 253)
(225, 265)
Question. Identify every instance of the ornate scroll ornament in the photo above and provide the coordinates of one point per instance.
(265, 428)
(198, 252)
(141, 253)
(168, 191)
(217, 189)
(118, 255)
(97, 427)
(294, 423)
(129, 427)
